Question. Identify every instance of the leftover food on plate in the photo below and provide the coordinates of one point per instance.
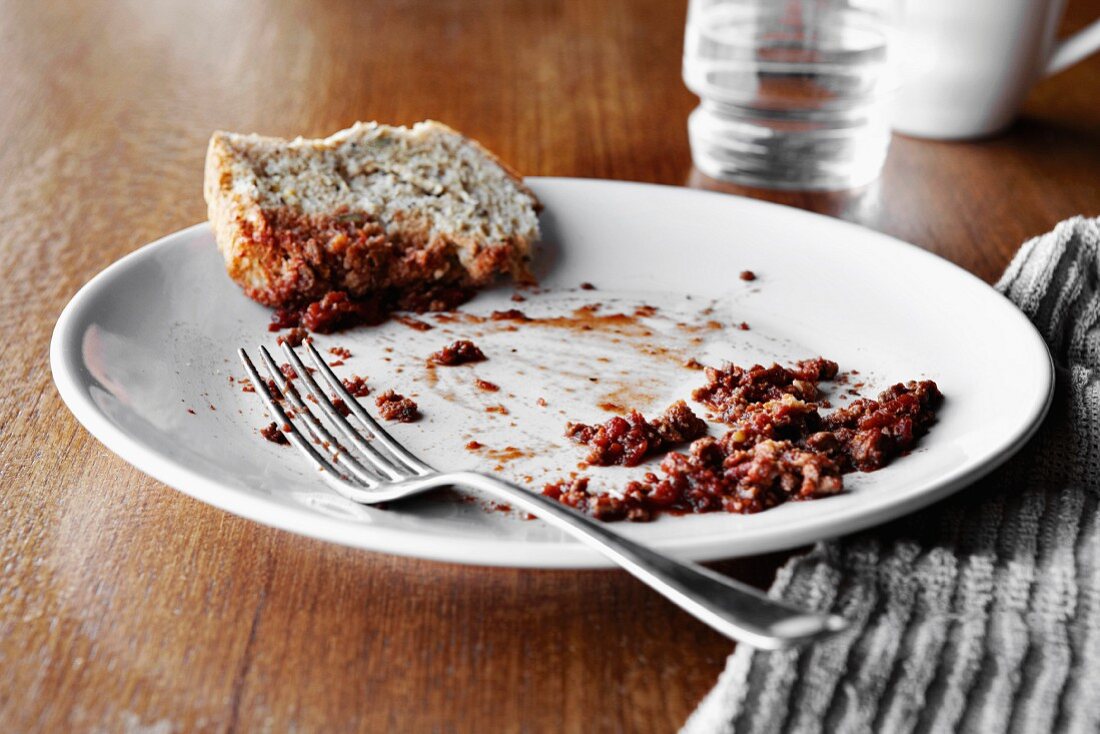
(375, 219)
(778, 447)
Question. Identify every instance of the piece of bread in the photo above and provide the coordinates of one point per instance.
(398, 216)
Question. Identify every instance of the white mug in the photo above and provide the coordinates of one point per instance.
(965, 66)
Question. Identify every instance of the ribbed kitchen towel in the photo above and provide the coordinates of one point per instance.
(982, 613)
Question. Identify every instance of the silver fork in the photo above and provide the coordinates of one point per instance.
(382, 470)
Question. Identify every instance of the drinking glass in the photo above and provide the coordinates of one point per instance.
(793, 93)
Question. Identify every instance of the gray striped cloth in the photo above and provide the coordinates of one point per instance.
(981, 614)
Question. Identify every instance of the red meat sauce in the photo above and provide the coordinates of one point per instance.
(337, 310)
(584, 318)
(413, 323)
(294, 337)
(708, 480)
(462, 351)
(290, 373)
(512, 314)
(272, 433)
(779, 447)
(393, 406)
(630, 440)
(867, 434)
(730, 388)
(356, 386)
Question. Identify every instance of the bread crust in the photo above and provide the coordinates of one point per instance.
(283, 257)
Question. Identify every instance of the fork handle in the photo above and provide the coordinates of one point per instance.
(736, 610)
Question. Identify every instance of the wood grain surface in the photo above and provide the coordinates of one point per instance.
(127, 606)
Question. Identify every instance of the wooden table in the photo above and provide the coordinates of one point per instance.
(124, 604)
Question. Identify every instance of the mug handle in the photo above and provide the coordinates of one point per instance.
(1074, 48)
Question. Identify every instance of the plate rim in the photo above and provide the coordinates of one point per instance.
(66, 372)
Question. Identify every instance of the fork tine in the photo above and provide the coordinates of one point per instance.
(316, 429)
(384, 463)
(370, 424)
(295, 436)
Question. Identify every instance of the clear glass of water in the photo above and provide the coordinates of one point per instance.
(793, 93)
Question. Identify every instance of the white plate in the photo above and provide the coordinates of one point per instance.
(155, 335)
